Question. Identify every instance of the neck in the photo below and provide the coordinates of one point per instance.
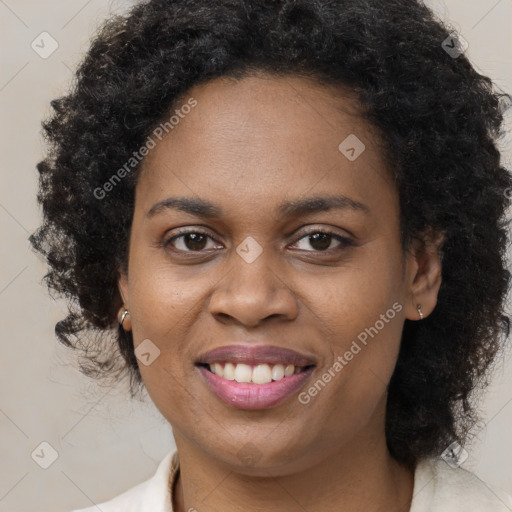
(350, 478)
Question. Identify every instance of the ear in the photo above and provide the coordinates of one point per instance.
(423, 273)
(122, 284)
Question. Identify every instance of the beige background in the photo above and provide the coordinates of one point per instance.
(106, 443)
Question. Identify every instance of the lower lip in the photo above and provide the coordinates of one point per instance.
(243, 395)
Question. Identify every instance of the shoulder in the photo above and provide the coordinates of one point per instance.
(441, 488)
(151, 495)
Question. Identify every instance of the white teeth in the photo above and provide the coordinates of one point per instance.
(261, 374)
(229, 371)
(217, 368)
(277, 372)
(243, 373)
(258, 374)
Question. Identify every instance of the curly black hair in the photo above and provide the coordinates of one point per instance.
(439, 119)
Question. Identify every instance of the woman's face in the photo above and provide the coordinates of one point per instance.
(297, 249)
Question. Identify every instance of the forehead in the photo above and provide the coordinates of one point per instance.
(264, 136)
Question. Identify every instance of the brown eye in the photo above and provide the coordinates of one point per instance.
(321, 241)
(191, 241)
(194, 241)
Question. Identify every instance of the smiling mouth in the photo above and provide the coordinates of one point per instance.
(254, 373)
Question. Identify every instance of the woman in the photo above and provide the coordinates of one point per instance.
(290, 218)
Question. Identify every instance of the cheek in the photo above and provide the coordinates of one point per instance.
(163, 307)
(360, 315)
(360, 297)
(163, 298)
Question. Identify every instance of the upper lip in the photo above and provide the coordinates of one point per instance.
(255, 354)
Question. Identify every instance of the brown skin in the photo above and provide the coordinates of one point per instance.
(247, 146)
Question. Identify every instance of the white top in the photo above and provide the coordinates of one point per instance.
(437, 488)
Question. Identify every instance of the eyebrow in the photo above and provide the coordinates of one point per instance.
(203, 208)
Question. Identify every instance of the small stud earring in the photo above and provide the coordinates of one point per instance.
(418, 307)
(124, 314)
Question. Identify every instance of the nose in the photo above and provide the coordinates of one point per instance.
(252, 292)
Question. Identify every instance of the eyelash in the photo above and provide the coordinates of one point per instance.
(344, 241)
